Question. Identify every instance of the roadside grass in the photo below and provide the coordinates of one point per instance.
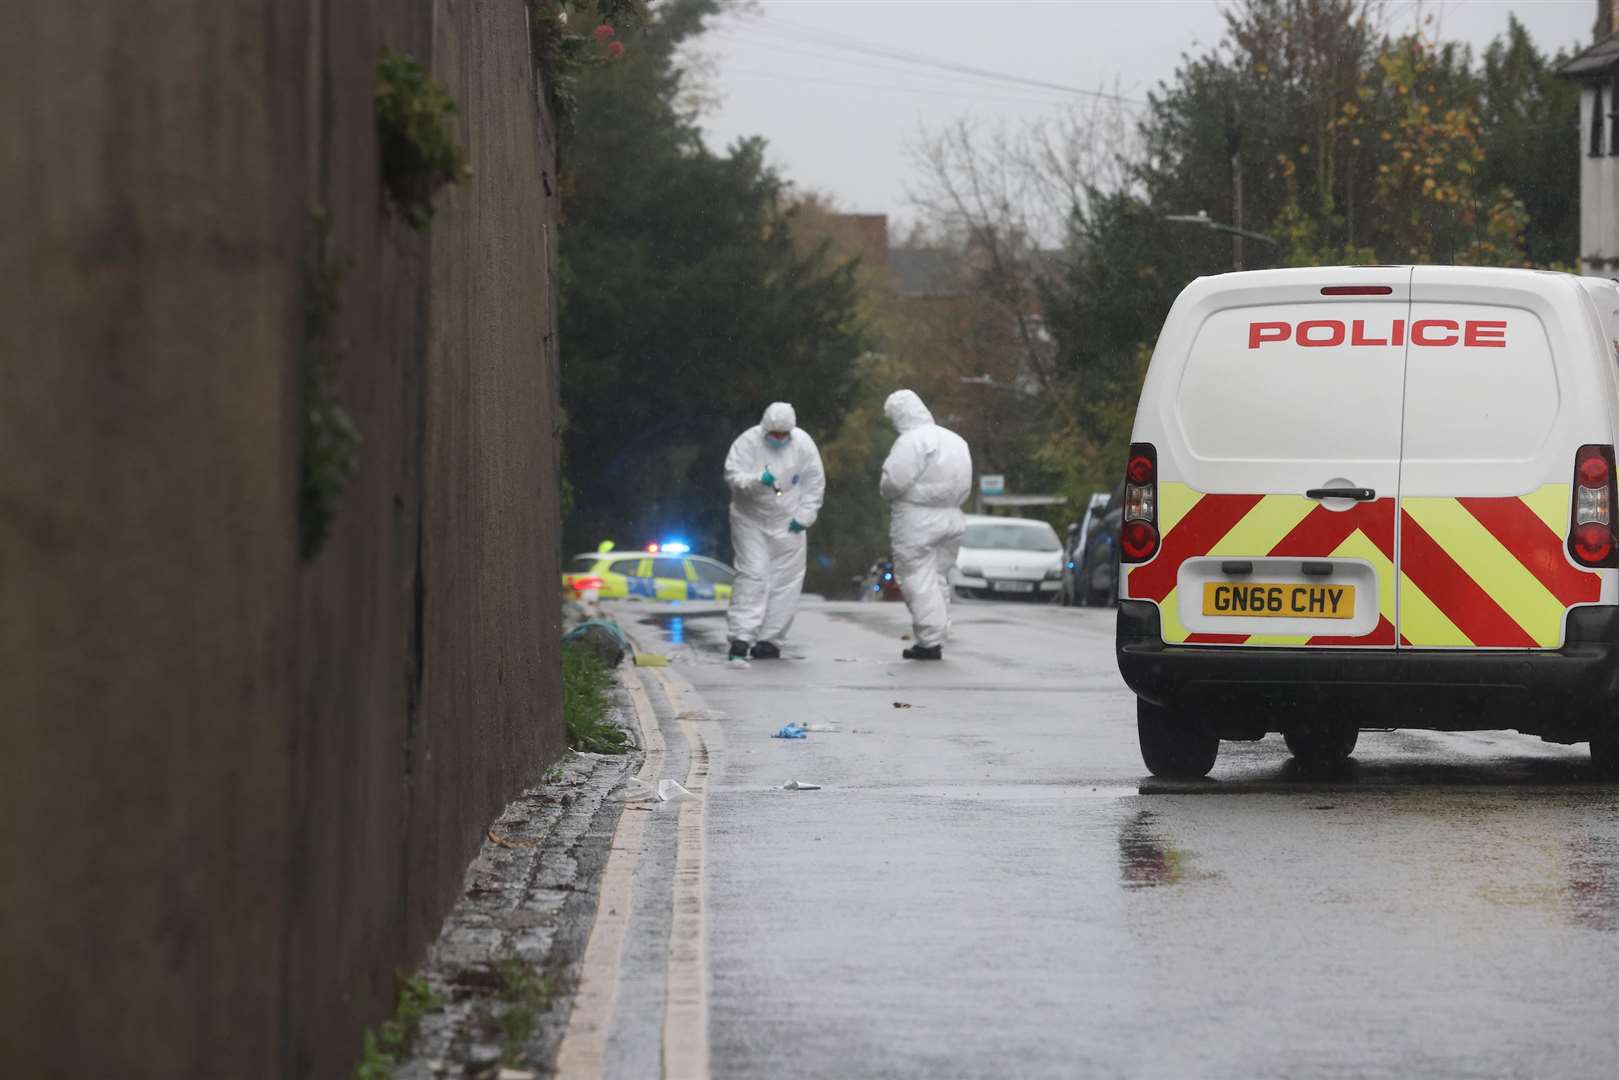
(384, 1048)
(586, 683)
(524, 994)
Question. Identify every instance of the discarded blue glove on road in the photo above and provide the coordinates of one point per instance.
(794, 527)
(791, 731)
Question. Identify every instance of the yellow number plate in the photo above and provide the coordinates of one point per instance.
(1269, 601)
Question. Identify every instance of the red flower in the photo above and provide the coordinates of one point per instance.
(603, 32)
(615, 49)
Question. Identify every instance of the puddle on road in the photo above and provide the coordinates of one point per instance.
(1147, 861)
(676, 628)
(992, 792)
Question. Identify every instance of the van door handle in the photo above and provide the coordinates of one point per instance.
(1358, 494)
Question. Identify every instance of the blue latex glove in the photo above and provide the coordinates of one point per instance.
(768, 479)
(794, 527)
(791, 731)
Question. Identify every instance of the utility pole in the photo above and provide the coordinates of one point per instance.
(1233, 139)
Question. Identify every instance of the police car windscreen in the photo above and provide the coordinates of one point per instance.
(1295, 382)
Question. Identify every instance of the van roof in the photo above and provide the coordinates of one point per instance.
(1280, 274)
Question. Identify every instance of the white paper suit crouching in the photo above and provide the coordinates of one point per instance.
(926, 478)
(777, 485)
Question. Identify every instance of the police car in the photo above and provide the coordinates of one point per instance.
(1374, 497)
(661, 572)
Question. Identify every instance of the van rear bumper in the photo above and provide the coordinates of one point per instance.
(1559, 694)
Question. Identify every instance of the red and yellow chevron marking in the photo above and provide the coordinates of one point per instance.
(1474, 572)
(1489, 572)
(1194, 525)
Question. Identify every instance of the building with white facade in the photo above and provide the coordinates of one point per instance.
(1597, 71)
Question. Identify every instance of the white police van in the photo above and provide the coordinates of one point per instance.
(1374, 497)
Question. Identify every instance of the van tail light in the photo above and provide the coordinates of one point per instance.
(1138, 534)
(1590, 531)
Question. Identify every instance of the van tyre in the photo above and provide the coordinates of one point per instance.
(1323, 743)
(1605, 755)
(1174, 745)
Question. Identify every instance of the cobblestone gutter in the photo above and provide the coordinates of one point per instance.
(505, 963)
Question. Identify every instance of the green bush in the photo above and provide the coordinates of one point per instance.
(586, 683)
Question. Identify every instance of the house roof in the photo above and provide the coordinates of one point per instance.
(926, 271)
(1599, 60)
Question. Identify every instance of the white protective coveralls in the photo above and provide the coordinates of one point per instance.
(927, 477)
(769, 557)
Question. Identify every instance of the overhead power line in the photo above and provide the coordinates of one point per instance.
(955, 86)
(784, 34)
(889, 87)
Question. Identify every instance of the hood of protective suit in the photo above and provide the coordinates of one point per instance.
(779, 416)
(906, 411)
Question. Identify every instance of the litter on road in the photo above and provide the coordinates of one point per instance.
(638, 790)
(903, 705)
(791, 731)
(651, 660)
(798, 785)
(819, 727)
(670, 790)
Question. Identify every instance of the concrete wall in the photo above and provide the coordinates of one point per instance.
(236, 790)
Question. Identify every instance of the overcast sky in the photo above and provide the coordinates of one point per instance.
(839, 88)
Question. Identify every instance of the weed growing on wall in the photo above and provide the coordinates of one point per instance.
(387, 1046)
(419, 151)
(329, 443)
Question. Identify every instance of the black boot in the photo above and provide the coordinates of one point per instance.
(764, 650)
(924, 652)
(739, 649)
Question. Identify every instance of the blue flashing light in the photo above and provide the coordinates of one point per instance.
(675, 547)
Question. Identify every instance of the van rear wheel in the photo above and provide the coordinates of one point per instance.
(1605, 755)
(1174, 745)
(1322, 743)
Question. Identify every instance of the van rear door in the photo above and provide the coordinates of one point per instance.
(1492, 428)
(1277, 417)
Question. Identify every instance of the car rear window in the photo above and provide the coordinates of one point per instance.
(1248, 393)
(1029, 536)
(582, 564)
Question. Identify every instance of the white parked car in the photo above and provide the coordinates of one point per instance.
(1008, 558)
(1379, 496)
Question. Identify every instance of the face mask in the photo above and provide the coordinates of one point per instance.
(777, 443)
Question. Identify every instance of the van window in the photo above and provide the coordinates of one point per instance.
(1295, 382)
(1485, 402)
(1596, 120)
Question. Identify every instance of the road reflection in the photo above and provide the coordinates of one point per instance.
(1144, 860)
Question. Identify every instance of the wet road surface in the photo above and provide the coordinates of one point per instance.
(987, 886)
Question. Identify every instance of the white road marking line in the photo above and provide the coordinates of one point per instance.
(685, 1022)
(584, 1044)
